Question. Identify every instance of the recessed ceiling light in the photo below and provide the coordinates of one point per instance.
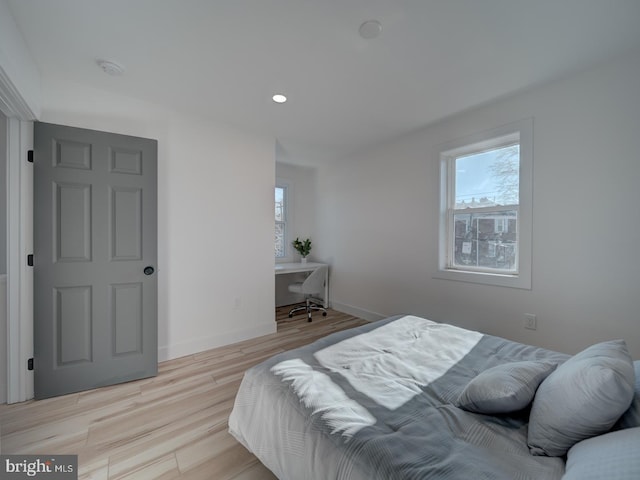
(279, 98)
(370, 29)
(110, 68)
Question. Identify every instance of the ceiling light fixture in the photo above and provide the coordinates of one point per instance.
(279, 98)
(370, 29)
(110, 68)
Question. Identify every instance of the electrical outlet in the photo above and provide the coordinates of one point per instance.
(530, 321)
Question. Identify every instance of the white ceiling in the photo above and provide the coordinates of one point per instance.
(223, 59)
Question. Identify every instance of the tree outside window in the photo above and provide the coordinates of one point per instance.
(281, 225)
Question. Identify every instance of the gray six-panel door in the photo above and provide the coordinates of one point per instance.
(95, 253)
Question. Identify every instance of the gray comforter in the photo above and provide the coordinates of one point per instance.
(376, 402)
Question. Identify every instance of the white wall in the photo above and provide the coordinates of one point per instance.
(215, 216)
(3, 258)
(3, 338)
(17, 68)
(3, 194)
(378, 218)
(301, 221)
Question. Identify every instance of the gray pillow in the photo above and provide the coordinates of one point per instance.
(631, 417)
(582, 398)
(613, 456)
(504, 388)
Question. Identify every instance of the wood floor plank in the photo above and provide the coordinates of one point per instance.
(173, 426)
(163, 468)
(255, 471)
(96, 470)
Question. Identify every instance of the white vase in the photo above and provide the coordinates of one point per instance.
(303, 260)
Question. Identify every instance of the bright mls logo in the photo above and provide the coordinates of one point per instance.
(50, 467)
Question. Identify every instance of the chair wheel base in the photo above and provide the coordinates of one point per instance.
(308, 308)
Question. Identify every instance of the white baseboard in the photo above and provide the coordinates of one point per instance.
(169, 352)
(357, 312)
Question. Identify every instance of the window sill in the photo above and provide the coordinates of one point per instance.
(484, 278)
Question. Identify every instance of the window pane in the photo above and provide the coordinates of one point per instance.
(488, 178)
(279, 240)
(280, 217)
(486, 240)
(280, 204)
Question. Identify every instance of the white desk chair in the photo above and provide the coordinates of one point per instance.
(312, 285)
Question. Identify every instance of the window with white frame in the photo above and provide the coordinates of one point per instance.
(281, 221)
(485, 214)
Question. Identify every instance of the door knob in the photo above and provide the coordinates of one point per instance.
(148, 270)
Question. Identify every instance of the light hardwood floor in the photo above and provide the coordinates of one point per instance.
(167, 427)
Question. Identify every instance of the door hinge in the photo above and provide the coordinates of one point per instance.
(30, 364)
(30, 156)
(30, 260)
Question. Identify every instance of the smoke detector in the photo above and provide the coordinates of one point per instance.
(110, 68)
(370, 29)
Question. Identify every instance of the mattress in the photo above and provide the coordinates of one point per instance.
(377, 402)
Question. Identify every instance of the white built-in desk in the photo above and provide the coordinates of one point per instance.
(297, 267)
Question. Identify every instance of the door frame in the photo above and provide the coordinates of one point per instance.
(19, 191)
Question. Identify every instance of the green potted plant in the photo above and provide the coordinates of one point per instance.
(303, 247)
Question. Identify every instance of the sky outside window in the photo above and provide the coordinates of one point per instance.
(279, 204)
(491, 175)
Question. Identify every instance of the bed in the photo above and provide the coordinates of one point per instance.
(408, 398)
